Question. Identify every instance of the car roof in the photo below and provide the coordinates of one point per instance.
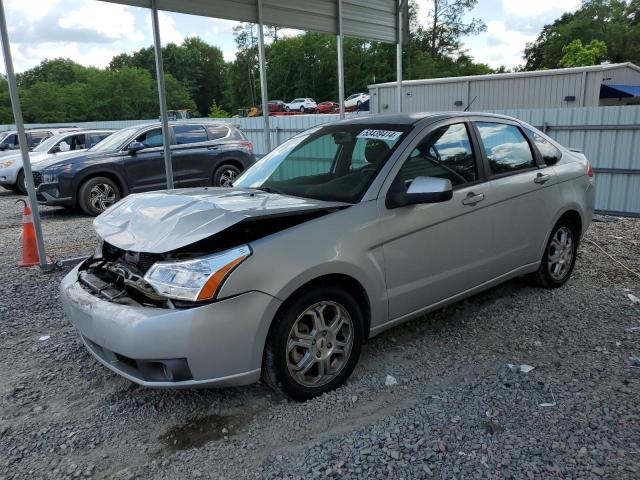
(419, 117)
(173, 124)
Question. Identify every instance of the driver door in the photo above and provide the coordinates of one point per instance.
(436, 251)
(145, 168)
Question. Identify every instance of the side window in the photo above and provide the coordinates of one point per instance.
(444, 153)
(190, 134)
(36, 137)
(506, 147)
(93, 138)
(217, 132)
(152, 138)
(550, 154)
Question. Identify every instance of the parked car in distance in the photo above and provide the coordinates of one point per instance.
(132, 160)
(340, 233)
(60, 145)
(328, 107)
(9, 140)
(276, 106)
(354, 101)
(301, 105)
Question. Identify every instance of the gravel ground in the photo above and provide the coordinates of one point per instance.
(457, 411)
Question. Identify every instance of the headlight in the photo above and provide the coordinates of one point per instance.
(198, 279)
(7, 164)
(49, 177)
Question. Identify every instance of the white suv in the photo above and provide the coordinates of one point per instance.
(354, 101)
(302, 105)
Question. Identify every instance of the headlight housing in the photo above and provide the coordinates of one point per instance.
(7, 163)
(49, 177)
(197, 279)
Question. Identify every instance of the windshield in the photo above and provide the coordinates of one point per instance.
(334, 162)
(114, 141)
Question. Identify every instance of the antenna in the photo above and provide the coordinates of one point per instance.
(470, 103)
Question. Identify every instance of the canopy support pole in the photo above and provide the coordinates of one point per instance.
(401, 4)
(22, 138)
(263, 81)
(340, 43)
(164, 119)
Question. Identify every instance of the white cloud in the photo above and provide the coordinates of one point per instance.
(32, 9)
(113, 21)
(499, 45)
(168, 31)
(534, 8)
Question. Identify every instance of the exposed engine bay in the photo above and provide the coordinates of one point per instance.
(117, 275)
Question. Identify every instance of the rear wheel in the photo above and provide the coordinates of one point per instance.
(225, 175)
(559, 256)
(301, 109)
(314, 344)
(97, 194)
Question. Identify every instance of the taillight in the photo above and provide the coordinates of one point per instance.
(589, 169)
(249, 146)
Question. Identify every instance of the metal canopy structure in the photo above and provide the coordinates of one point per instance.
(375, 20)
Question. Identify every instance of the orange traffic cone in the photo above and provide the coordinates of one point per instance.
(29, 248)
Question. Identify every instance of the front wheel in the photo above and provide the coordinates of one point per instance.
(314, 344)
(225, 175)
(301, 109)
(20, 186)
(559, 256)
(97, 194)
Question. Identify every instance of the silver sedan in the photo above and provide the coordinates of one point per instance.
(341, 232)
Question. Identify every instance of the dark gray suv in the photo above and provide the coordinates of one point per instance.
(132, 160)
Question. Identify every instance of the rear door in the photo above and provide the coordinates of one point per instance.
(435, 251)
(193, 155)
(524, 193)
(145, 168)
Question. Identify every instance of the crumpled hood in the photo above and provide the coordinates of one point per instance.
(159, 222)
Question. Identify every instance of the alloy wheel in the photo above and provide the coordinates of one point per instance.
(319, 344)
(227, 177)
(560, 253)
(102, 196)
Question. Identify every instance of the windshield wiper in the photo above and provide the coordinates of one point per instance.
(271, 190)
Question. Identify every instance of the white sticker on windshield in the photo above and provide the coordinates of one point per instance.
(379, 134)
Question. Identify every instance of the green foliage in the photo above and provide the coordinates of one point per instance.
(614, 22)
(216, 111)
(578, 55)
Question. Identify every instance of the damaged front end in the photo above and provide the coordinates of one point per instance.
(186, 277)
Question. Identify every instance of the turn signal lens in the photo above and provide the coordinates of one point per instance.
(196, 279)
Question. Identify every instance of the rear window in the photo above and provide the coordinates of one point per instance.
(217, 132)
(186, 134)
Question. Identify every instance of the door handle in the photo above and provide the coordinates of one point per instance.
(541, 178)
(473, 198)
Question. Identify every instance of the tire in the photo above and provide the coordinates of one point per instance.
(301, 109)
(563, 245)
(320, 343)
(20, 186)
(225, 175)
(97, 194)
(358, 103)
(286, 109)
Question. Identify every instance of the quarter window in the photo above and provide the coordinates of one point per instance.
(550, 154)
(506, 147)
(444, 153)
(190, 134)
(217, 132)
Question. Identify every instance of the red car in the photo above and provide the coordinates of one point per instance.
(328, 107)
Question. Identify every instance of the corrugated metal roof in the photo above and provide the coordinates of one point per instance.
(367, 19)
(619, 91)
(498, 76)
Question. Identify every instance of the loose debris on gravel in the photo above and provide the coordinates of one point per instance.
(458, 410)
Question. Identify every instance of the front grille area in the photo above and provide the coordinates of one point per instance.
(37, 179)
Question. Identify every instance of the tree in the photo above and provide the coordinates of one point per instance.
(614, 22)
(216, 111)
(447, 25)
(578, 55)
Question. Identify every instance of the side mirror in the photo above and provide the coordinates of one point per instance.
(135, 147)
(3, 146)
(421, 190)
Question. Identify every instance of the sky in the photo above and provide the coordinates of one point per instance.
(91, 32)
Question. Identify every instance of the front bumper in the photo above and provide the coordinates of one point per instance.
(49, 194)
(9, 175)
(221, 343)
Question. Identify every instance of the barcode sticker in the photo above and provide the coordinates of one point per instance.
(379, 134)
